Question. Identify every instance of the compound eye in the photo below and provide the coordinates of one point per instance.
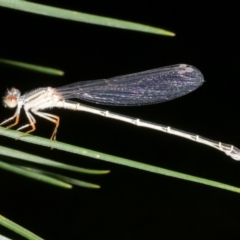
(10, 102)
(11, 98)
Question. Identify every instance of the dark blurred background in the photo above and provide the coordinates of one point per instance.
(132, 204)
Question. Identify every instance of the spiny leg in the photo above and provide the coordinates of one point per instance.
(53, 118)
(31, 123)
(16, 116)
(32, 119)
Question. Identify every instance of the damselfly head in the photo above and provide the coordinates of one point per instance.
(11, 98)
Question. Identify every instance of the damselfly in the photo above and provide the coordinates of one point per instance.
(148, 87)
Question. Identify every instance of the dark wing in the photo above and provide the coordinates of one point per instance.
(148, 87)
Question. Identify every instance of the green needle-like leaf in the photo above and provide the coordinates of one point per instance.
(34, 175)
(33, 67)
(113, 159)
(47, 162)
(81, 17)
(66, 179)
(18, 229)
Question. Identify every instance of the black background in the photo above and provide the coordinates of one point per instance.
(131, 204)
